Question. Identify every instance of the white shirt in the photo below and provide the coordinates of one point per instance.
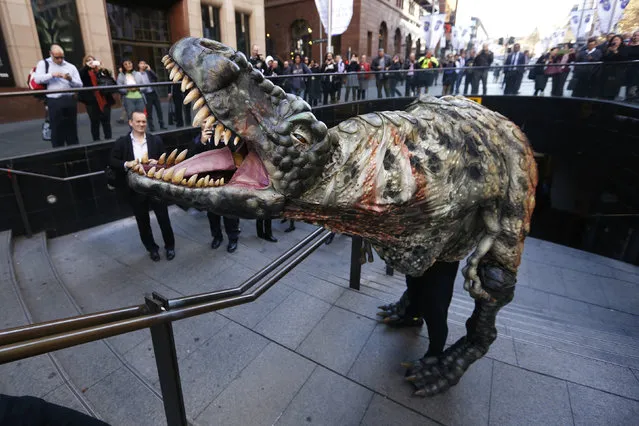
(139, 149)
(57, 83)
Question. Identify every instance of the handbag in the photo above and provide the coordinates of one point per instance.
(105, 79)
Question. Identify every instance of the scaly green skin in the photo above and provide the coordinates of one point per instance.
(434, 182)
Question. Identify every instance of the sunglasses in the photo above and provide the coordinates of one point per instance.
(58, 57)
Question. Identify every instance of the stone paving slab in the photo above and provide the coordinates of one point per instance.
(118, 400)
(593, 407)
(337, 339)
(383, 412)
(327, 399)
(291, 321)
(597, 374)
(64, 397)
(514, 404)
(35, 376)
(262, 391)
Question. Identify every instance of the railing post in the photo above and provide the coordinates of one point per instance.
(167, 364)
(356, 266)
(20, 202)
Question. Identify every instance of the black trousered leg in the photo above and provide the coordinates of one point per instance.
(231, 226)
(141, 205)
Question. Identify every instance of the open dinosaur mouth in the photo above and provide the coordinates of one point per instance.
(236, 163)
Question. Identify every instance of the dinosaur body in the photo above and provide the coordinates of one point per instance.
(444, 178)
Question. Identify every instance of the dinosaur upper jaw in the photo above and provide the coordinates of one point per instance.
(231, 179)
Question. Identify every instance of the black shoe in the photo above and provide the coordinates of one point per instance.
(283, 220)
(216, 242)
(290, 228)
(270, 238)
(155, 256)
(170, 254)
(232, 246)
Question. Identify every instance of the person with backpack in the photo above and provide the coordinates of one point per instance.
(63, 107)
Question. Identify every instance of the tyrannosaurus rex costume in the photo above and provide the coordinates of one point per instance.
(434, 182)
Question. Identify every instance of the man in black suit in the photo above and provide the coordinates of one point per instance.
(127, 152)
(204, 142)
(514, 75)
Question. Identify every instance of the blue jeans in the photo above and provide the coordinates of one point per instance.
(133, 105)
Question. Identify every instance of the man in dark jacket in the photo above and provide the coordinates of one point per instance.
(128, 151)
(177, 97)
(152, 98)
(483, 59)
(514, 75)
(381, 63)
(205, 142)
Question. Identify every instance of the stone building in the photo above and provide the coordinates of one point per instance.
(293, 25)
(116, 29)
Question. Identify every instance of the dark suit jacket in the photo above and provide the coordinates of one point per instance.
(521, 60)
(123, 151)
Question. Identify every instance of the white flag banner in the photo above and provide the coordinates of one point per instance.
(437, 29)
(617, 14)
(342, 13)
(586, 17)
(558, 37)
(604, 12)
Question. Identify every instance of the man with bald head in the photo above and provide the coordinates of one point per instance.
(483, 59)
(63, 107)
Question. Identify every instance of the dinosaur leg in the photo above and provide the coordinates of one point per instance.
(472, 282)
(432, 375)
(404, 312)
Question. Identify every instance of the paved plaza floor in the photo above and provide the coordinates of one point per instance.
(310, 350)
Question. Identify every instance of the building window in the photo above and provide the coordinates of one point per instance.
(140, 33)
(369, 44)
(243, 36)
(383, 36)
(57, 23)
(211, 22)
(399, 3)
(301, 36)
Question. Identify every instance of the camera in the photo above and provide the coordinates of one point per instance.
(94, 63)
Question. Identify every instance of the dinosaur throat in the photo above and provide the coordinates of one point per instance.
(232, 163)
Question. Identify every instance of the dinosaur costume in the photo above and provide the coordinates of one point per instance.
(434, 182)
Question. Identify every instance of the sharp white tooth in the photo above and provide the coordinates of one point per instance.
(221, 181)
(184, 182)
(181, 157)
(217, 182)
(201, 115)
(236, 140)
(198, 104)
(165, 59)
(185, 81)
(159, 173)
(211, 183)
(178, 76)
(169, 65)
(151, 172)
(227, 136)
(210, 121)
(145, 158)
(141, 171)
(207, 179)
(192, 180)
(162, 159)
(190, 85)
(199, 183)
(193, 95)
(218, 133)
(171, 159)
(168, 174)
(174, 71)
(178, 176)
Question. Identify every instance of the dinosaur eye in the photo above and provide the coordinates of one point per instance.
(300, 138)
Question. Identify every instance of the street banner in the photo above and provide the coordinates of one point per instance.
(433, 26)
(341, 16)
(586, 17)
(604, 12)
(617, 14)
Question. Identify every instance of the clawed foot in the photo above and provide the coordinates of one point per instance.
(394, 314)
(432, 375)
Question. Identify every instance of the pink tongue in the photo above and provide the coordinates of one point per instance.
(217, 159)
(251, 173)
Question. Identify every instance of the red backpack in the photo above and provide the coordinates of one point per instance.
(32, 85)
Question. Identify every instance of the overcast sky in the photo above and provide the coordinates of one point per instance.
(517, 17)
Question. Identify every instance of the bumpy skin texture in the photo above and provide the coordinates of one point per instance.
(444, 178)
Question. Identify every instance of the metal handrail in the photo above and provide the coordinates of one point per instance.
(24, 349)
(55, 327)
(285, 76)
(59, 179)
